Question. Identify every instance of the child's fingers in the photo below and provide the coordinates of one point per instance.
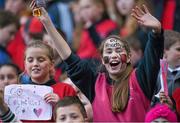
(47, 95)
(162, 94)
(164, 100)
(32, 5)
(145, 9)
(51, 97)
(135, 16)
(134, 11)
(51, 100)
(139, 11)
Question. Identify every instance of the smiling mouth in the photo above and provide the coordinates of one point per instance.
(114, 63)
(36, 70)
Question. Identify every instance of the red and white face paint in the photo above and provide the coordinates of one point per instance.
(114, 56)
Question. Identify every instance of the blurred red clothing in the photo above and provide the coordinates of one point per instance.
(16, 49)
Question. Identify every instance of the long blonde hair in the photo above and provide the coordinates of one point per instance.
(120, 91)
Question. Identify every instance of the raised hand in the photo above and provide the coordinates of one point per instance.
(44, 15)
(164, 99)
(144, 18)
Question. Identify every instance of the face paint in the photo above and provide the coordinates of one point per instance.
(106, 59)
(114, 43)
(123, 58)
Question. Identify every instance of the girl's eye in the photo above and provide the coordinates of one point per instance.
(62, 118)
(118, 50)
(30, 60)
(10, 76)
(74, 116)
(41, 59)
(2, 77)
(178, 49)
(108, 51)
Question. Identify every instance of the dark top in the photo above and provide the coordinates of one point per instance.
(84, 77)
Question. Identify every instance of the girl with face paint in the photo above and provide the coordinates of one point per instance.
(118, 93)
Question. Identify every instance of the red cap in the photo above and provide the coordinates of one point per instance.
(35, 26)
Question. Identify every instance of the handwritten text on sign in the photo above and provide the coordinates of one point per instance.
(27, 101)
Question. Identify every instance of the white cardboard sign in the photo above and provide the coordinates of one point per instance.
(27, 101)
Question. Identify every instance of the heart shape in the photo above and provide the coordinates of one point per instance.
(37, 111)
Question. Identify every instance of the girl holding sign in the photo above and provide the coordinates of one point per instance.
(118, 93)
(39, 65)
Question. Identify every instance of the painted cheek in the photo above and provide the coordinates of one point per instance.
(123, 58)
(106, 59)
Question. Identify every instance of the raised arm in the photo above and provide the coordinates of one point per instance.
(148, 68)
(59, 42)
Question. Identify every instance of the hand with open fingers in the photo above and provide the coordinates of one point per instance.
(51, 98)
(3, 106)
(44, 15)
(165, 99)
(144, 18)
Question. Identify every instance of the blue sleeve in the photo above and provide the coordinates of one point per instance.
(54, 15)
(82, 74)
(4, 57)
(148, 68)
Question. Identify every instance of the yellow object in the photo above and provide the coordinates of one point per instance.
(37, 12)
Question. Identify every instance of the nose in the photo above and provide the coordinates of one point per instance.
(69, 120)
(35, 63)
(5, 81)
(114, 55)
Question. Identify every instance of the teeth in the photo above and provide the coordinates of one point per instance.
(35, 70)
(114, 62)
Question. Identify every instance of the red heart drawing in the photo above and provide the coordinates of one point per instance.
(37, 111)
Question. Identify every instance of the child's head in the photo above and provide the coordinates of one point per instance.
(172, 48)
(8, 26)
(39, 61)
(136, 50)
(91, 10)
(115, 54)
(83, 99)
(69, 109)
(9, 74)
(124, 7)
(15, 6)
(160, 113)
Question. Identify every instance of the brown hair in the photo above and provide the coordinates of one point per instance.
(170, 38)
(40, 44)
(100, 2)
(134, 42)
(7, 18)
(121, 86)
(67, 101)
